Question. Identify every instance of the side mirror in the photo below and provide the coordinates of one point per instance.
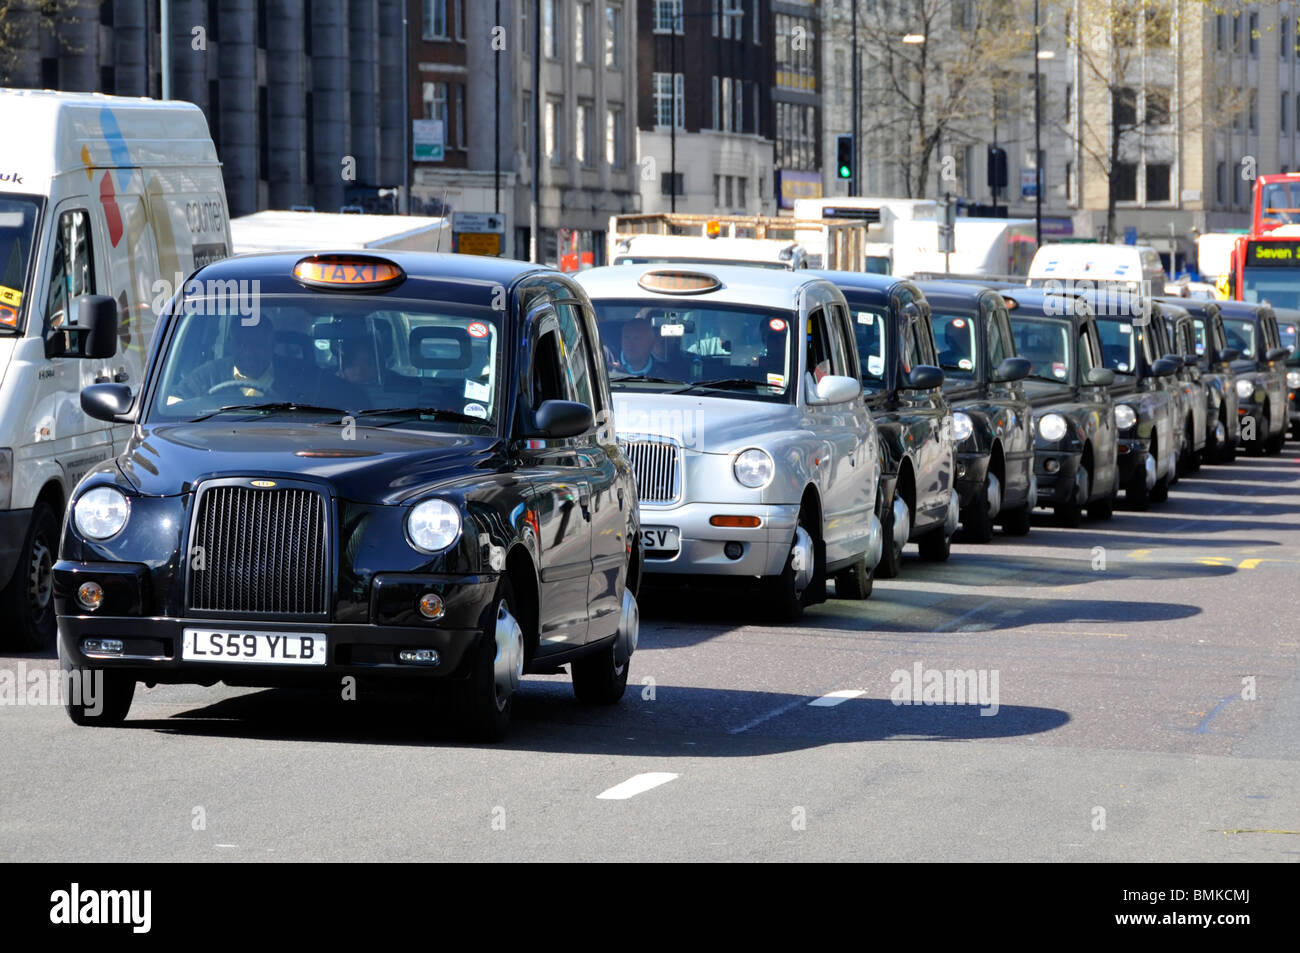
(557, 419)
(1228, 355)
(1012, 369)
(110, 402)
(1277, 353)
(836, 389)
(1177, 359)
(1164, 367)
(925, 377)
(94, 335)
(1101, 377)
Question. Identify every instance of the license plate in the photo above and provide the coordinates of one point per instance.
(277, 648)
(660, 539)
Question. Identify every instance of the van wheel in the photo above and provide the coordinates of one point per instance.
(28, 600)
(856, 582)
(105, 697)
(485, 701)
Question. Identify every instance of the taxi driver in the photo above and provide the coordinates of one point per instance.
(247, 370)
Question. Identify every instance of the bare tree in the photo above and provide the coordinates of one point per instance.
(931, 68)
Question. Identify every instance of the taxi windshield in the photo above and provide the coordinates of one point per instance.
(1241, 335)
(1046, 345)
(18, 215)
(1119, 346)
(683, 346)
(954, 333)
(869, 330)
(381, 362)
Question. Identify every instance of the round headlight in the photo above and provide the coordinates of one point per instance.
(1245, 389)
(1052, 426)
(101, 512)
(961, 426)
(753, 468)
(1125, 416)
(1293, 379)
(433, 525)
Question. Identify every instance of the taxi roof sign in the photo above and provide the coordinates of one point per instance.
(679, 282)
(346, 272)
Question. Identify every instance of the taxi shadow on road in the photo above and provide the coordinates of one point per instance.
(679, 722)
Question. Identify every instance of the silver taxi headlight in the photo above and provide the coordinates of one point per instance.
(1245, 389)
(1052, 426)
(433, 525)
(101, 513)
(1125, 416)
(753, 468)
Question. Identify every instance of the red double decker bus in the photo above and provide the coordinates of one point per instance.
(1276, 202)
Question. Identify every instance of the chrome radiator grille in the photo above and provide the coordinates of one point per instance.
(259, 551)
(657, 465)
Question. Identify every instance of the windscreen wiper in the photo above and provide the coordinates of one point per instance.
(644, 378)
(273, 405)
(725, 382)
(437, 413)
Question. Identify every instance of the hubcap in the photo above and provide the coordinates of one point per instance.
(1033, 491)
(508, 665)
(1219, 433)
(801, 559)
(629, 629)
(41, 577)
(1150, 471)
(994, 495)
(1082, 487)
(902, 523)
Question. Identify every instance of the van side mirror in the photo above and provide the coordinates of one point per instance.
(1101, 377)
(110, 402)
(94, 336)
(1012, 369)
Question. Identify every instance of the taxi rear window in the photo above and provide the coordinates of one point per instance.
(386, 362)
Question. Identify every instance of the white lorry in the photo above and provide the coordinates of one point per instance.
(881, 216)
(982, 248)
(277, 230)
(106, 204)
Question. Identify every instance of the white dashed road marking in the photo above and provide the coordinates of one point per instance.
(831, 699)
(637, 784)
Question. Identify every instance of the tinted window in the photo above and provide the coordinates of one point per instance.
(576, 355)
(956, 337)
(869, 325)
(1241, 335)
(1120, 346)
(1046, 344)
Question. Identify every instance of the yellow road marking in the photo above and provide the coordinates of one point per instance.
(1249, 563)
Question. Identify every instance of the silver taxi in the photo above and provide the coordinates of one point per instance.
(737, 400)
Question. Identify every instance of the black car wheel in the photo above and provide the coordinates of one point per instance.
(485, 700)
(1017, 522)
(27, 603)
(977, 519)
(891, 557)
(856, 582)
(935, 545)
(793, 588)
(96, 698)
(598, 679)
(1071, 514)
(1102, 509)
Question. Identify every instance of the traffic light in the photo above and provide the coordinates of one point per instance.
(844, 155)
(997, 177)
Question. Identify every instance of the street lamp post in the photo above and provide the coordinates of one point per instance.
(854, 181)
(1038, 149)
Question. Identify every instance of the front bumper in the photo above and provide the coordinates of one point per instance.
(1131, 457)
(971, 471)
(152, 645)
(764, 548)
(1056, 486)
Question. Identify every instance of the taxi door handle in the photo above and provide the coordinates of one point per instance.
(584, 500)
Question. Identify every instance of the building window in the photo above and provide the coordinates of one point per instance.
(1159, 25)
(667, 18)
(724, 108)
(1221, 182)
(717, 191)
(795, 39)
(1125, 107)
(1158, 183)
(1123, 179)
(1254, 34)
(1236, 34)
(1283, 41)
(1236, 188)
(1253, 112)
(738, 120)
(460, 20)
(841, 76)
(670, 183)
(742, 200)
(730, 197)
(1285, 113)
(435, 19)
(551, 29)
(582, 32)
(553, 131)
(435, 101)
(526, 123)
(585, 135)
(613, 36)
(663, 92)
(1069, 183)
(614, 137)
(1157, 107)
(1069, 100)
(459, 117)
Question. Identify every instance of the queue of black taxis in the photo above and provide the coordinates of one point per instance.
(1213, 360)
(992, 426)
(392, 467)
(1252, 330)
(1075, 446)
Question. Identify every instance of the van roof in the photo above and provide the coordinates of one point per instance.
(64, 133)
(680, 247)
(276, 230)
(1094, 261)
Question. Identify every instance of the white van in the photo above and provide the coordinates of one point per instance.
(669, 249)
(1131, 267)
(103, 201)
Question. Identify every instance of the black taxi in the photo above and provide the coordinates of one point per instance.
(1146, 407)
(904, 389)
(1213, 360)
(1252, 330)
(1177, 338)
(1075, 446)
(343, 464)
(992, 426)
(1288, 322)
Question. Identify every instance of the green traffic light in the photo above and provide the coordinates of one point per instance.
(845, 173)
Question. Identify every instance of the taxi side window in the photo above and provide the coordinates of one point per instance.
(926, 349)
(577, 355)
(845, 343)
(998, 336)
(821, 359)
(1089, 351)
(72, 271)
(548, 377)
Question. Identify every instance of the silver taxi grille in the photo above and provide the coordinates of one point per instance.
(657, 465)
(263, 551)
